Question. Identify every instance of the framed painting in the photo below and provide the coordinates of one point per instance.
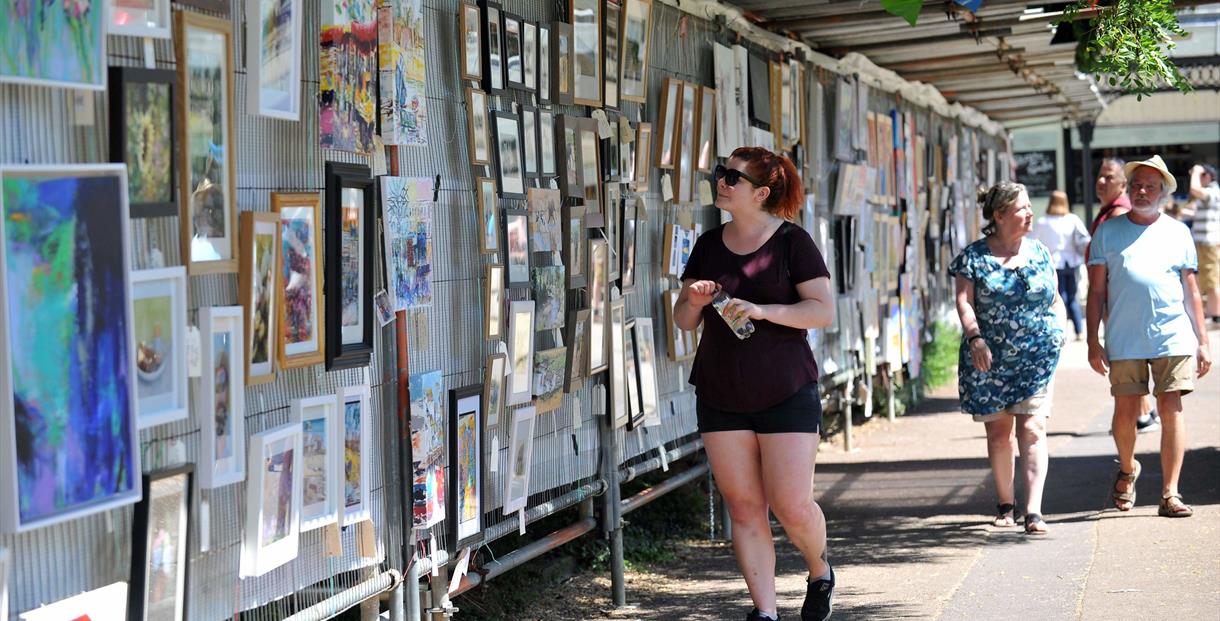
(529, 55)
(550, 294)
(493, 56)
(348, 88)
(590, 164)
(320, 459)
(546, 142)
(493, 300)
(610, 52)
(52, 44)
(646, 368)
(684, 161)
(514, 51)
(643, 148)
(575, 246)
(272, 534)
(510, 155)
(619, 412)
(493, 388)
(273, 58)
(299, 291)
(108, 603)
(139, 18)
(159, 545)
(520, 459)
(635, 412)
(599, 292)
(257, 292)
(520, 351)
(625, 139)
(562, 64)
(578, 346)
(220, 405)
(545, 228)
(516, 241)
(705, 114)
(64, 230)
(466, 433)
(760, 91)
(142, 137)
(406, 215)
(489, 215)
(159, 319)
(351, 218)
(544, 63)
(610, 157)
(428, 432)
(569, 171)
(613, 223)
(478, 136)
(586, 19)
(357, 432)
(669, 124)
(208, 221)
(637, 33)
(679, 343)
(470, 28)
(549, 368)
(529, 140)
(628, 243)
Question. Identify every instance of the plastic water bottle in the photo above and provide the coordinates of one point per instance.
(742, 327)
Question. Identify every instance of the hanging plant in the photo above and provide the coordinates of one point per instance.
(1127, 44)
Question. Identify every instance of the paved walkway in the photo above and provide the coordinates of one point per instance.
(909, 515)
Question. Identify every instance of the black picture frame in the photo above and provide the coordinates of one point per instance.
(575, 246)
(567, 156)
(760, 91)
(451, 493)
(493, 48)
(137, 595)
(562, 59)
(529, 55)
(218, 6)
(628, 239)
(341, 176)
(514, 50)
(510, 166)
(120, 78)
(610, 150)
(544, 63)
(529, 142)
(517, 263)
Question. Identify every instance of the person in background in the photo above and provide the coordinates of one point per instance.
(1206, 233)
(1112, 193)
(1142, 270)
(1064, 234)
(1007, 302)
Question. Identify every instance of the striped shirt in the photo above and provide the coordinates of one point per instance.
(1206, 228)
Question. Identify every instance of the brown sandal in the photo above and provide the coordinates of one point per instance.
(1120, 498)
(1173, 507)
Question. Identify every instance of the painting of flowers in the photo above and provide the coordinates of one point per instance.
(142, 123)
(53, 43)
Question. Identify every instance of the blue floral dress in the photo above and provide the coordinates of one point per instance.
(1015, 311)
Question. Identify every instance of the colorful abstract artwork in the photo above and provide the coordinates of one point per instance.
(299, 287)
(347, 98)
(274, 58)
(68, 361)
(264, 278)
(353, 495)
(466, 503)
(427, 448)
(355, 435)
(53, 43)
(407, 221)
(403, 73)
(351, 244)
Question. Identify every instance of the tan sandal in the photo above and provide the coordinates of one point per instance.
(1127, 497)
(1173, 507)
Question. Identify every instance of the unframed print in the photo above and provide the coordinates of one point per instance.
(549, 368)
(428, 431)
(403, 72)
(545, 208)
(347, 115)
(407, 224)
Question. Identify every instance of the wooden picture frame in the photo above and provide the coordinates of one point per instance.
(520, 352)
(684, 177)
(478, 134)
(466, 433)
(567, 142)
(489, 215)
(161, 527)
(134, 21)
(493, 56)
(589, 157)
(514, 51)
(493, 301)
(626, 151)
(599, 294)
(613, 219)
(355, 412)
(575, 246)
(493, 388)
(351, 250)
(516, 245)
(586, 19)
(159, 304)
(562, 64)
(577, 338)
(470, 30)
(544, 63)
(208, 180)
(510, 155)
(300, 309)
(680, 345)
(145, 143)
(221, 407)
(669, 122)
(283, 26)
(321, 459)
(643, 149)
(637, 35)
(705, 112)
(612, 15)
(275, 454)
(256, 291)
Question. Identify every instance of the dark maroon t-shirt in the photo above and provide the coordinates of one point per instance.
(752, 375)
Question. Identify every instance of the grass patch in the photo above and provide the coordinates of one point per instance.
(940, 356)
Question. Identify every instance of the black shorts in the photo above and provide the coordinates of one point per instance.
(800, 413)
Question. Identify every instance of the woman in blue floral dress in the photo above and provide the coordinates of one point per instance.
(1011, 336)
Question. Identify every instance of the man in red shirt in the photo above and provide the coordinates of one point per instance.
(1112, 192)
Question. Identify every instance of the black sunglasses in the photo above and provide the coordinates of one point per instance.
(731, 176)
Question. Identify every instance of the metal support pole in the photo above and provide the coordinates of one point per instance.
(438, 584)
(397, 609)
(617, 568)
(612, 526)
(889, 394)
(1086, 170)
(411, 587)
(845, 407)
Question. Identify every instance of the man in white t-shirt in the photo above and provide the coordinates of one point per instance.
(1142, 268)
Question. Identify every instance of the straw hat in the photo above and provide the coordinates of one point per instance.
(1154, 162)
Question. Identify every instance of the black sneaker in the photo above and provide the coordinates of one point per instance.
(819, 597)
(755, 615)
(1149, 423)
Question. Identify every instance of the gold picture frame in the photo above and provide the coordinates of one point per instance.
(294, 205)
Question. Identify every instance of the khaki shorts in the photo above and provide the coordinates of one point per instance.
(1209, 268)
(1169, 374)
(1037, 405)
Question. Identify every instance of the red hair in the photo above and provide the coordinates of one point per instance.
(777, 173)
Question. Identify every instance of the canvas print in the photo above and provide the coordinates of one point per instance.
(257, 291)
(300, 279)
(549, 366)
(493, 388)
(586, 19)
(347, 95)
(403, 72)
(550, 292)
(428, 431)
(466, 503)
(356, 447)
(320, 459)
(407, 223)
(273, 500)
(159, 319)
(520, 351)
(66, 296)
(54, 44)
(520, 458)
(273, 58)
(159, 547)
(142, 126)
(139, 18)
(545, 209)
(489, 215)
(221, 407)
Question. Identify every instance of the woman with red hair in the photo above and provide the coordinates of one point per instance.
(757, 397)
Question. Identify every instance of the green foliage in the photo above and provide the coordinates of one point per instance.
(906, 9)
(1127, 44)
(940, 356)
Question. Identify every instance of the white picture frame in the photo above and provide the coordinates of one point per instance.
(54, 65)
(520, 460)
(274, 94)
(108, 603)
(136, 22)
(520, 352)
(321, 459)
(354, 404)
(272, 453)
(5, 560)
(619, 412)
(221, 345)
(646, 367)
(162, 392)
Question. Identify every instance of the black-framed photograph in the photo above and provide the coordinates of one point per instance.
(546, 142)
(544, 63)
(350, 250)
(529, 55)
(629, 244)
(637, 31)
(142, 134)
(471, 30)
(466, 432)
(510, 156)
(477, 127)
(514, 47)
(493, 53)
(516, 242)
(610, 152)
(586, 19)
(575, 245)
(610, 28)
(567, 141)
(562, 77)
(529, 139)
(159, 545)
